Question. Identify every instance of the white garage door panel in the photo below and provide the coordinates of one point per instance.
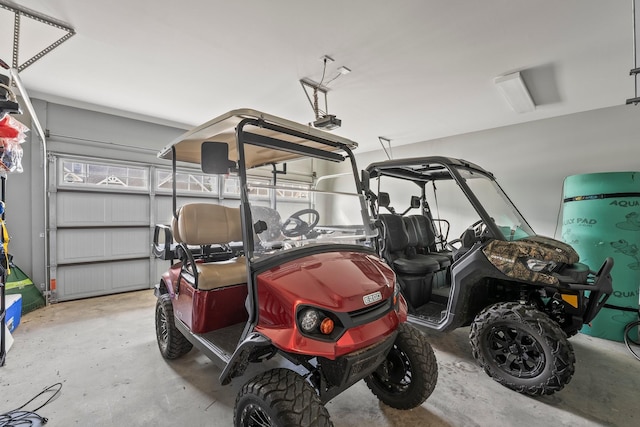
(87, 245)
(80, 209)
(81, 281)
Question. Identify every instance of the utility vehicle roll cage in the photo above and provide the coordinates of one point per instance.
(423, 170)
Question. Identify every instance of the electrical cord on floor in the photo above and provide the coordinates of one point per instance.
(628, 340)
(19, 417)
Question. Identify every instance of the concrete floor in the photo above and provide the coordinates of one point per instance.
(104, 352)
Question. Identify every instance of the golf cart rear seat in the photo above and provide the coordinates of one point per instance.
(206, 224)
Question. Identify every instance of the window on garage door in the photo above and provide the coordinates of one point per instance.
(77, 173)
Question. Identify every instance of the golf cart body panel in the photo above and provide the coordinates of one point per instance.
(291, 272)
(192, 306)
(362, 312)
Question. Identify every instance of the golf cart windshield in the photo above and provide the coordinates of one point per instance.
(308, 211)
(497, 205)
(273, 168)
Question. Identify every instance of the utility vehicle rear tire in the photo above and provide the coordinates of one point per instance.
(171, 342)
(282, 398)
(522, 348)
(409, 374)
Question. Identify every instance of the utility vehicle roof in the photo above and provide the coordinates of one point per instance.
(223, 129)
(421, 168)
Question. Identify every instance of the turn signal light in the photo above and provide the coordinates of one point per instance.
(326, 327)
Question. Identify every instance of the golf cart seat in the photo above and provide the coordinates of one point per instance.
(208, 224)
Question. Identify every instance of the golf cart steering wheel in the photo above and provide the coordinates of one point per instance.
(295, 227)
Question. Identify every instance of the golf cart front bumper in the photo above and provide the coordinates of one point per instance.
(343, 372)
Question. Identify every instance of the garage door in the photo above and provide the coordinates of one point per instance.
(102, 215)
(99, 239)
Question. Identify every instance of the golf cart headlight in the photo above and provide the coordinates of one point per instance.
(540, 266)
(396, 294)
(309, 319)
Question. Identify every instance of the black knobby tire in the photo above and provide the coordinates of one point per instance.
(171, 342)
(409, 374)
(522, 348)
(282, 398)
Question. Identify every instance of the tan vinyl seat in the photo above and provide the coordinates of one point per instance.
(208, 224)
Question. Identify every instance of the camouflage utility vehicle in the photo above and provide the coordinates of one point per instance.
(522, 294)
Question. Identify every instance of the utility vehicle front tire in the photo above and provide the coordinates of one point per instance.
(409, 374)
(282, 398)
(171, 342)
(522, 348)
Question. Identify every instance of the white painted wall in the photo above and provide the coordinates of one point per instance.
(531, 160)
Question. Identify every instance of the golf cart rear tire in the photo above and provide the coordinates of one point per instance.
(389, 382)
(500, 332)
(279, 397)
(171, 342)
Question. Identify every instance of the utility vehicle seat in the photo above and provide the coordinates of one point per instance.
(396, 241)
(209, 224)
(422, 238)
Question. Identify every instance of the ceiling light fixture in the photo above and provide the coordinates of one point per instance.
(515, 92)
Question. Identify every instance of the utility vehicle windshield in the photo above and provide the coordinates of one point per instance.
(500, 209)
(303, 208)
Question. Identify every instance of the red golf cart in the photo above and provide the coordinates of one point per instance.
(284, 271)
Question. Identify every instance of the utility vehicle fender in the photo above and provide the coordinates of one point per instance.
(253, 348)
(466, 299)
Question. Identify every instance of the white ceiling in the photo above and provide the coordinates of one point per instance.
(422, 69)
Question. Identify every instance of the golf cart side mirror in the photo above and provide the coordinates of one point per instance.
(214, 158)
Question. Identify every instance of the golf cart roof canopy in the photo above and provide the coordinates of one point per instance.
(422, 168)
(299, 140)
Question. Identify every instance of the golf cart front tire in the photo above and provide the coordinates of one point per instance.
(409, 374)
(279, 397)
